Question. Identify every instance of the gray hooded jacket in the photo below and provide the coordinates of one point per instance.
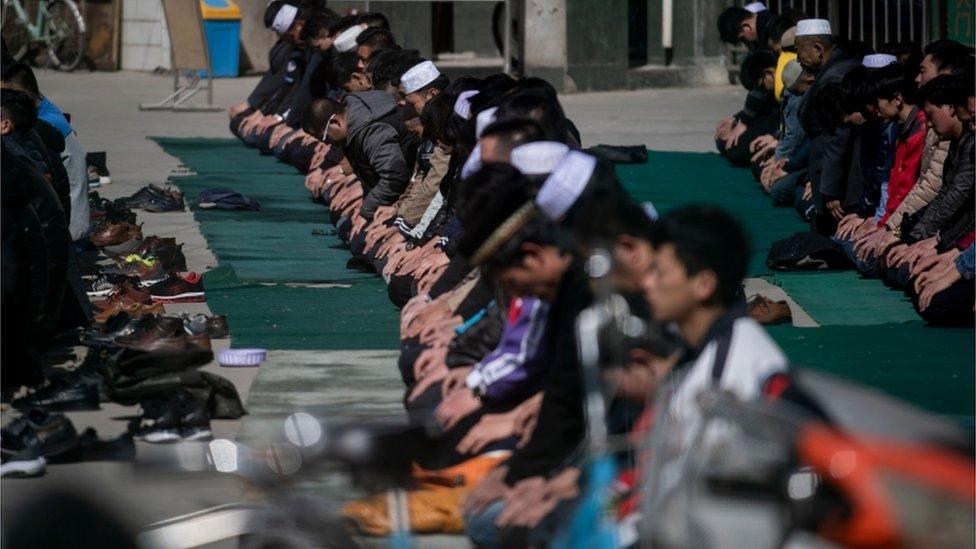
(373, 148)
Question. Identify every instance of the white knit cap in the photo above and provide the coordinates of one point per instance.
(418, 76)
(284, 18)
(755, 7)
(878, 60)
(813, 27)
(473, 163)
(561, 189)
(485, 118)
(346, 41)
(538, 157)
(462, 107)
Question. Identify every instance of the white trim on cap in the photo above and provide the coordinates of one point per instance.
(813, 27)
(462, 107)
(561, 190)
(878, 60)
(284, 18)
(755, 7)
(538, 157)
(485, 118)
(346, 41)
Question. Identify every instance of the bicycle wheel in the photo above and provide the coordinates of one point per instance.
(14, 32)
(64, 34)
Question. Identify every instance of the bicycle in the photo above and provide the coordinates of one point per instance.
(58, 29)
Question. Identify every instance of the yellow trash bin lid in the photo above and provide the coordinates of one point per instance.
(220, 9)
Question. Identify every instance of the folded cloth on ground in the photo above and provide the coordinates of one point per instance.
(222, 198)
(620, 154)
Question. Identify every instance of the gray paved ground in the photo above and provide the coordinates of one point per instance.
(104, 111)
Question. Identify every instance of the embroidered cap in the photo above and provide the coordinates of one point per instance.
(813, 27)
(561, 189)
(346, 41)
(462, 107)
(878, 60)
(538, 157)
(284, 18)
(418, 76)
(473, 163)
(485, 118)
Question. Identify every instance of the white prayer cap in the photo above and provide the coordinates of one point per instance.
(485, 118)
(285, 17)
(472, 164)
(561, 189)
(788, 40)
(462, 107)
(346, 41)
(538, 157)
(791, 72)
(650, 211)
(813, 27)
(418, 76)
(878, 60)
(755, 7)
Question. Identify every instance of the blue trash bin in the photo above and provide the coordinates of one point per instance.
(222, 26)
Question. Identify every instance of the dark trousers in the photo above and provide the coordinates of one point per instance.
(950, 307)
(739, 155)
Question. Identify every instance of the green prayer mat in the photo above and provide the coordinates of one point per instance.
(291, 240)
(281, 316)
(870, 333)
(929, 367)
(673, 179)
(843, 298)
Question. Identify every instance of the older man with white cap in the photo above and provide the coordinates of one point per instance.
(817, 51)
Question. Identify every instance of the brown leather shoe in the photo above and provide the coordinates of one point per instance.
(217, 326)
(177, 343)
(164, 327)
(127, 295)
(200, 341)
(768, 312)
(134, 310)
(111, 234)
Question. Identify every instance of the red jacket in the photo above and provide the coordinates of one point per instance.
(909, 147)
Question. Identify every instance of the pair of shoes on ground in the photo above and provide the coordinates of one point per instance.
(173, 417)
(152, 198)
(38, 437)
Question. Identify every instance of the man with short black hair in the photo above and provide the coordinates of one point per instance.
(373, 40)
(748, 25)
(694, 283)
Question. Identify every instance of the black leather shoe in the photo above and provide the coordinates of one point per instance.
(62, 394)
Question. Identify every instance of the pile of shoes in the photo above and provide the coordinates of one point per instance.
(135, 274)
(137, 354)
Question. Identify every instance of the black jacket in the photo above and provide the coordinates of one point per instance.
(561, 424)
(376, 149)
(828, 172)
(272, 78)
(953, 205)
